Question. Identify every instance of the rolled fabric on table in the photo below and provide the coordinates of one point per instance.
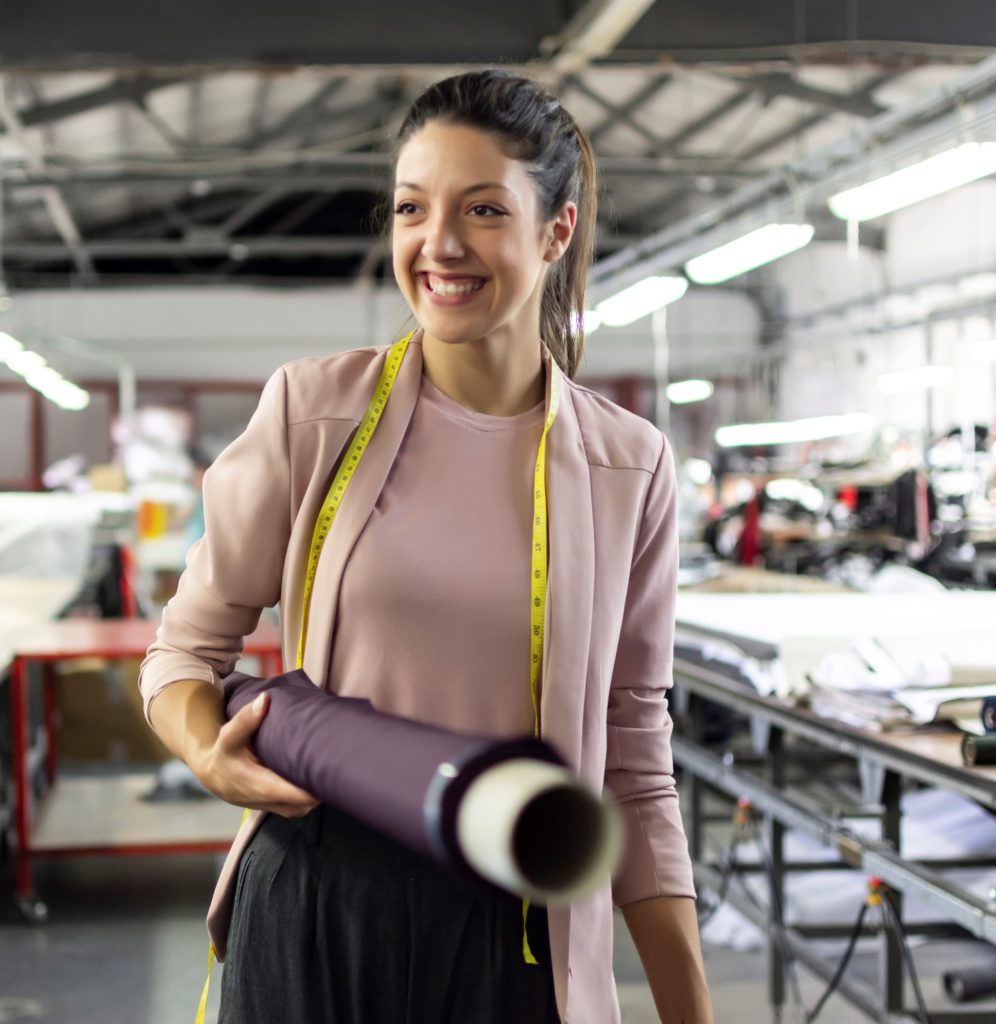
(978, 750)
(508, 811)
(968, 983)
(989, 714)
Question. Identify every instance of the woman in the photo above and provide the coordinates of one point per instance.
(422, 601)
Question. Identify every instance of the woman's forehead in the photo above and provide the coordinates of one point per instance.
(451, 155)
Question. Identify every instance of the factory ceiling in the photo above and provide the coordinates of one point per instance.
(218, 142)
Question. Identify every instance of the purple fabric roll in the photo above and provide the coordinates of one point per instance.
(400, 776)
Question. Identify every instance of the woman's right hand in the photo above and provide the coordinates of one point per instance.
(230, 769)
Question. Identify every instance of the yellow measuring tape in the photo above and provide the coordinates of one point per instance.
(539, 564)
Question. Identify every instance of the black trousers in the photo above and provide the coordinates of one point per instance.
(334, 923)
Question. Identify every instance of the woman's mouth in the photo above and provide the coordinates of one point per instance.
(451, 287)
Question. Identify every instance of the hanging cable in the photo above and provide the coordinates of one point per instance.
(852, 942)
(892, 921)
(730, 864)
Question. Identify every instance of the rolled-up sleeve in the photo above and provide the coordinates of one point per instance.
(638, 763)
(234, 571)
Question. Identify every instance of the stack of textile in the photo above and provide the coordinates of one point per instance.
(883, 683)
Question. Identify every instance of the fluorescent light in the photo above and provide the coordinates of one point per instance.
(42, 378)
(699, 471)
(749, 251)
(25, 362)
(790, 489)
(983, 351)
(641, 299)
(8, 346)
(683, 392)
(67, 395)
(39, 375)
(929, 177)
(917, 378)
(816, 428)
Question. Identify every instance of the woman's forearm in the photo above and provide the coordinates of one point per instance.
(666, 934)
(187, 716)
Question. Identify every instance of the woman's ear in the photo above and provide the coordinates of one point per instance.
(560, 231)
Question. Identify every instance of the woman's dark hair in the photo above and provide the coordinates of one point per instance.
(533, 127)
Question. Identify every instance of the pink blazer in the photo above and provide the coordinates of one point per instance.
(610, 608)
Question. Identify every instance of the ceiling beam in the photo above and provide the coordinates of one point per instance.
(300, 119)
(859, 103)
(802, 125)
(331, 172)
(205, 243)
(645, 93)
(593, 32)
(621, 114)
(120, 91)
(58, 210)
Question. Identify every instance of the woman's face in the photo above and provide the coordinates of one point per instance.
(470, 248)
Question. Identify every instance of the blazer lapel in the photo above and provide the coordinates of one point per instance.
(354, 510)
(571, 582)
(569, 605)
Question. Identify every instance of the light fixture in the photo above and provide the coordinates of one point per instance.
(68, 396)
(25, 362)
(42, 378)
(815, 428)
(983, 351)
(640, 299)
(748, 251)
(8, 346)
(37, 374)
(917, 378)
(791, 489)
(930, 177)
(699, 471)
(684, 392)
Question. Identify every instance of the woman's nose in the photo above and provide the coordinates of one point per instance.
(442, 240)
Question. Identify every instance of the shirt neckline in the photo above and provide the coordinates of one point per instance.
(453, 410)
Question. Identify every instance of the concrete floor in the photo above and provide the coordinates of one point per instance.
(125, 944)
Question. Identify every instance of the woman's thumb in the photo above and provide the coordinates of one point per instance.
(247, 721)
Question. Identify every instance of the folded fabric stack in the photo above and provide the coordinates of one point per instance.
(887, 684)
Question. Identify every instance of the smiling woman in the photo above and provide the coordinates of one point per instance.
(446, 588)
(473, 259)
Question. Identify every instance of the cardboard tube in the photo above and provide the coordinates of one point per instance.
(531, 828)
(507, 811)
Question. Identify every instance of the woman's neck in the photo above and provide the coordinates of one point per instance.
(486, 376)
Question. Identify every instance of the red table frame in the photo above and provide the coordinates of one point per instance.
(65, 640)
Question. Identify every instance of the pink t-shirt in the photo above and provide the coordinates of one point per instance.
(435, 595)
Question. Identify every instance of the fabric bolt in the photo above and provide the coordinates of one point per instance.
(360, 930)
(433, 615)
(607, 660)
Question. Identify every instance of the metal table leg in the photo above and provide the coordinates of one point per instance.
(776, 897)
(891, 959)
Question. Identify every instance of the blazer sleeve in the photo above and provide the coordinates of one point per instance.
(638, 761)
(235, 569)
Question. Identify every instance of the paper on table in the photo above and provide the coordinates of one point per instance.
(945, 702)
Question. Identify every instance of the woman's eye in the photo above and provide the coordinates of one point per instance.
(483, 210)
(403, 208)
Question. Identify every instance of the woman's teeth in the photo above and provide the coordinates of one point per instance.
(453, 287)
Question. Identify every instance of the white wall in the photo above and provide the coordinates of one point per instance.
(246, 333)
(834, 363)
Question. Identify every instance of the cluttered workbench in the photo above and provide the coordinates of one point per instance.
(795, 710)
(108, 815)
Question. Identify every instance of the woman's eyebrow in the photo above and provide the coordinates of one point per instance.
(471, 188)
